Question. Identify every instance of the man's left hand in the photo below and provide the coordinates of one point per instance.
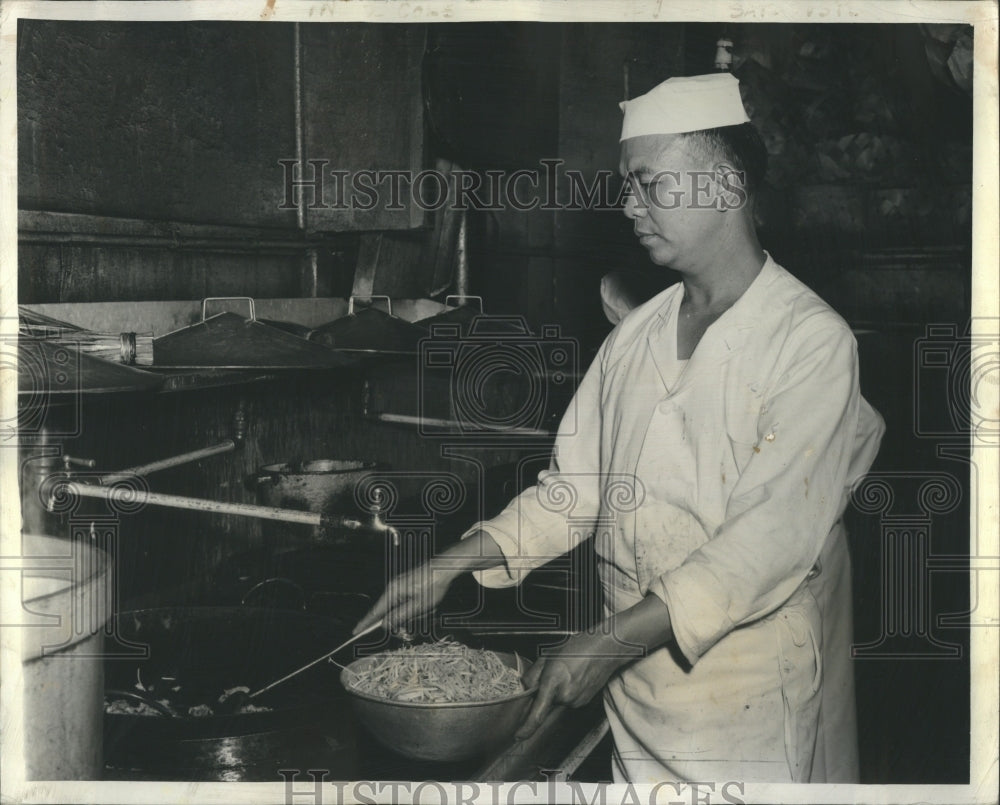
(574, 675)
(583, 666)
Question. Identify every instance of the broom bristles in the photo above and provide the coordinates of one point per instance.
(127, 348)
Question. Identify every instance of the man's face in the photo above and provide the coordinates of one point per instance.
(673, 203)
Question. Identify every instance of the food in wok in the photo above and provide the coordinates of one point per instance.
(117, 705)
(165, 698)
(441, 672)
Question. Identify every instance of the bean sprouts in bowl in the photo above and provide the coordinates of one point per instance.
(438, 730)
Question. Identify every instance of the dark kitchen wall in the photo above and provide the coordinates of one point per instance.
(529, 94)
(868, 193)
(150, 156)
(138, 121)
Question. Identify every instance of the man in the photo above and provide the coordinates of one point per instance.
(727, 410)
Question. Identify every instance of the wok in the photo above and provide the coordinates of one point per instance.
(318, 485)
(205, 650)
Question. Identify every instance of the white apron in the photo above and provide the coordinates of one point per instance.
(717, 486)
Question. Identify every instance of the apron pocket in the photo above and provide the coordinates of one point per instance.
(799, 634)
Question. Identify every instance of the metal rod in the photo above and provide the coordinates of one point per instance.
(135, 497)
(451, 424)
(309, 665)
(462, 284)
(256, 245)
(312, 260)
(300, 208)
(166, 463)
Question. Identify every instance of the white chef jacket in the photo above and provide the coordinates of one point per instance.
(717, 484)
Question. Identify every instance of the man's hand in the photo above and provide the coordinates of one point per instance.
(408, 596)
(419, 591)
(572, 677)
(584, 665)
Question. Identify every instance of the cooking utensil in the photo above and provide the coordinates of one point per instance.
(239, 700)
(319, 485)
(439, 731)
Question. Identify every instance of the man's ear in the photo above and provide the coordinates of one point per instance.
(731, 191)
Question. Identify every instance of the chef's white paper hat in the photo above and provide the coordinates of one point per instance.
(680, 105)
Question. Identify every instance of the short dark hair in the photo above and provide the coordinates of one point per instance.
(741, 146)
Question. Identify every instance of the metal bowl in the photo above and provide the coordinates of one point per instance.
(439, 731)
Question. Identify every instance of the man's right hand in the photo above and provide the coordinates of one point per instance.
(408, 596)
(419, 591)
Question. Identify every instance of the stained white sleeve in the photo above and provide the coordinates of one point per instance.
(816, 437)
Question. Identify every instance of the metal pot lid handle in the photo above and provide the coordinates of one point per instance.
(274, 581)
(207, 299)
(466, 297)
(369, 297)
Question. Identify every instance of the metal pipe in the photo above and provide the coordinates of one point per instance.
(255, 245)
(312, 260)
(38, 463)
(131, 498)
(166, 463)
(300, 208)
(462, 258)
(451, 424)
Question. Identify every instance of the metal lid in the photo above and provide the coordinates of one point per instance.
(228, 341)
(370, 331)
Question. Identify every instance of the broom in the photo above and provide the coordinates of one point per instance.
(128, 348)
